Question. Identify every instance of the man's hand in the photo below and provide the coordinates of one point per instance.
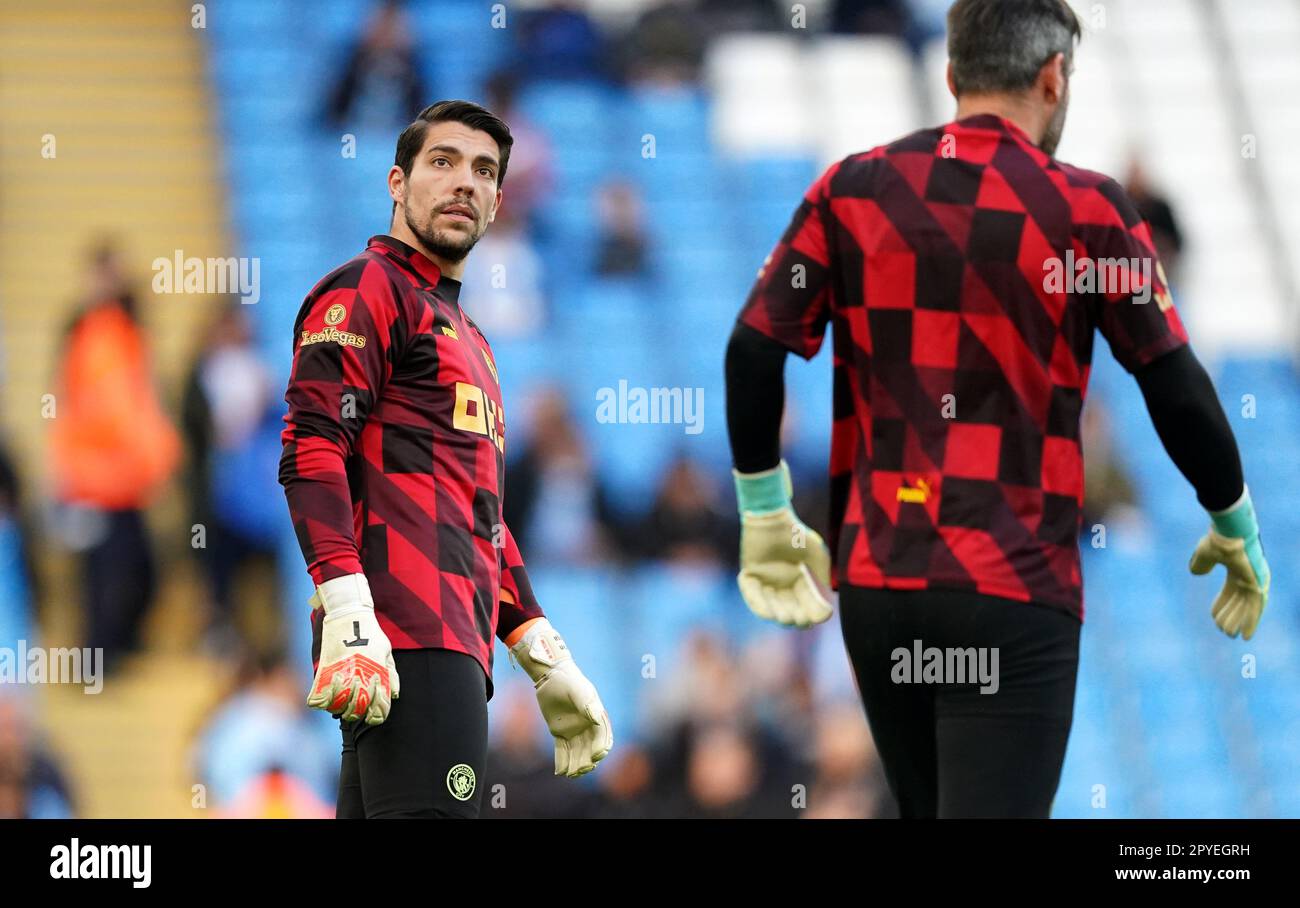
(1233, 541)
(785, 567)
(569, 702)
(356, 676)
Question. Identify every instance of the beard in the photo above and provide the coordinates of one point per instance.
(449, 245)
(1055, 127)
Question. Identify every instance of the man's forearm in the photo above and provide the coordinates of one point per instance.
(1193, 427)
(518, 607)
(510, 638)
(315, 484)
(755, 372)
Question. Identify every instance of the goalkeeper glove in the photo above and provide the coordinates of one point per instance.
(356, 676)
(569, 702)
(1233, 541)
(785, 567)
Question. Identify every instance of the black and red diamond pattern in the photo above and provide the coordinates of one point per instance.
(960, 372)
(394, 454)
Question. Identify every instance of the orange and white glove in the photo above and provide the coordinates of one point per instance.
(356, 677)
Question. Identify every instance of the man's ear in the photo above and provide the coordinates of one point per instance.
(495, 205)
(1051, 79)
(396, 184)
(952, 86)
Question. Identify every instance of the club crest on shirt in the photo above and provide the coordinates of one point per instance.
(460, 781)
(335, 314)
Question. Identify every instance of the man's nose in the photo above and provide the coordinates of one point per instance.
(465, 179)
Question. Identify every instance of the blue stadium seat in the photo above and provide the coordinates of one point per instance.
(759, 180)
(565, 109)
(670, 602)
(677, 117)
(589, 607)
(252, 20)
(1208, 792)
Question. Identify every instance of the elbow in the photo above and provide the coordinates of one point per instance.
(752, 356)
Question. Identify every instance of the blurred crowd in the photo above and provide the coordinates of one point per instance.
(733, 735)
(660, 42)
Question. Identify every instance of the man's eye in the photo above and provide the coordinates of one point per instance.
(486, 171)
(441, 161)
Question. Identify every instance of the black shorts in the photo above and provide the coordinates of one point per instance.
(427, 758)
(947, 749)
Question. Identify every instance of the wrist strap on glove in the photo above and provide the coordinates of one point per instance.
(343, 593)
(540, 650)
(1237, 521)
(764, 492)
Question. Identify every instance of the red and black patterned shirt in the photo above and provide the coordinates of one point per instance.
(394, 454)
(960, 364)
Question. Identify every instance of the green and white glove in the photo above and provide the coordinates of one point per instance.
(785, 567)
(1233, 541)
(568, 701)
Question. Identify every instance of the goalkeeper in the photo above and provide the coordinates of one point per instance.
(393, 465)
(959, 377)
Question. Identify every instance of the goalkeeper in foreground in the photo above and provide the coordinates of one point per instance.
(393, 465)
(960, 375)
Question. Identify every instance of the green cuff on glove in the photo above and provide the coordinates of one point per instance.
(1239, 522)
(762, 493)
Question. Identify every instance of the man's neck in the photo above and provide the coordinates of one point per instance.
(1004, 107)
(399, 231)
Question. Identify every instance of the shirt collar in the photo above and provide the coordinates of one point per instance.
(993, 121)
(425, 273)
(449, 289)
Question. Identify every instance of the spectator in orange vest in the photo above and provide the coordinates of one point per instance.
(111, 449)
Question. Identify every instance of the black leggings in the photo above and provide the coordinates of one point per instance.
(427, 758)
(949, 750)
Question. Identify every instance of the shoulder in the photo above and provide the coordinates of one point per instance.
(367, 278)
(853, 174)
(367, 270)
(1096, 198)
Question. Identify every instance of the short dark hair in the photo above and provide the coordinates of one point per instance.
(1000, 45)
(472, 115)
